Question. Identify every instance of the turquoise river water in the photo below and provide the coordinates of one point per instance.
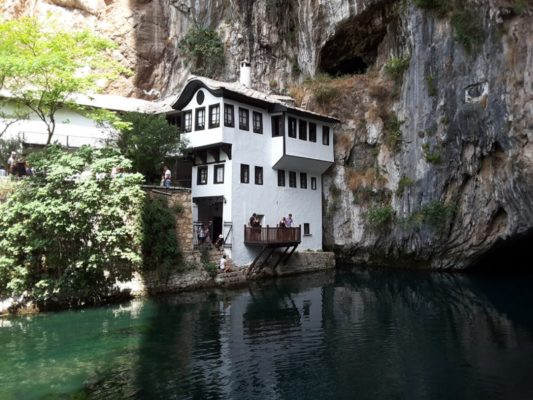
(350, 334)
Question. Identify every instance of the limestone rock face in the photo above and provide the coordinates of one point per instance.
(432, 170)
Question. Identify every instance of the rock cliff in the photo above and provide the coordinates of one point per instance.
(434, 157)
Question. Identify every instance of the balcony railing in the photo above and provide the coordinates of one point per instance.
(272, 237)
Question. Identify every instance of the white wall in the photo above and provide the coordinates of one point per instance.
(72, 129)
(305, 148)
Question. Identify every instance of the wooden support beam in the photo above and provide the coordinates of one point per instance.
(281, 258)
(290, 254)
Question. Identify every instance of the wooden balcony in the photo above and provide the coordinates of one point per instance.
(272, 237)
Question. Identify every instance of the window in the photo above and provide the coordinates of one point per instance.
(229, 115)
(281, 177)
(292, 179)
(219, 174)
(201, 179)
(292, 127)
(245, 173)
(312, 132)
(258, 175)
(313, 183)
(302, 131)
(277, 125)
(200, 119)
(244, 116)
(303, 180)
(214, 116)
(307, 229)
(187, 121)
(258, 122)
(325, 135)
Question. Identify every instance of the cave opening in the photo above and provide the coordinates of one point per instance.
(347, 66)
(513, 255)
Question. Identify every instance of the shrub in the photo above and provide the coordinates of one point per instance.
(393, 132)
(396, 66)
(377, 217)
(432, 87)
(403, 184)
(439, 6)
(159, 242)
(204, 51)
(436, 214)
(323, 89)
(70, 231)
(210, 267)
(467, 28)
(432, 155)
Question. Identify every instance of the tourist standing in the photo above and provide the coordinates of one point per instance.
(11, 162)
(167, 177)
(289, 221)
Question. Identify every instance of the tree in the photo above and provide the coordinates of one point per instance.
(43, 67)
(147, 142)
(71, 230)
(204, 51)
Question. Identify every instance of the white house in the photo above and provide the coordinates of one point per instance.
(254, 153)
(73, 129)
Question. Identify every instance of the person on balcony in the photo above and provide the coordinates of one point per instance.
(289, 221)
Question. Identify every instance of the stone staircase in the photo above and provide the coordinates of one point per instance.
(226, 278)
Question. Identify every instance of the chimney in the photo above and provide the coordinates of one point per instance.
(246, 74)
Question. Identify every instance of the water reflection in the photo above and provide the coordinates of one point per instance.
(365, 334)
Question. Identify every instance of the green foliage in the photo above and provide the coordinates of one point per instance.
(378, 217)
(432, 154)
(467, 28)
(435, 214)
(396, 66)
(210, 267)
(324, 89)
(204, 51)
(519, 7)
(366, 194)
(159, 242)
(403, 184)
(432, 86)
(147, 142)
(43, 66)
(70, 231)
(393, 133)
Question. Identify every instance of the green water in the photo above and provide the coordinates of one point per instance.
(348, 335)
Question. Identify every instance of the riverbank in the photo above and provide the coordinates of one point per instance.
(196, 277)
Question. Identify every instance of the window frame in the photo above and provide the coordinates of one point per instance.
(312, 132)
(281, 177)
(257, 129)
(244, 112)
(199, 181)
(302, 124)
(229, 110)
(258, 175)
(185, 128)
(313, 183)
(325, 135)
(293, 126)
(216, 168)
(278, 125)
(307, 229)
(197, 112)
(303, 180)
(211, 108)
(292, 179)
(245, 178)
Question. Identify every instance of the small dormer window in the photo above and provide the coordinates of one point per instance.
(200, 97)
(244, 117)
(292, 127)
(187, 121)
(302, 130)
(200, 119)
(325, 135)
(258, 122)
(312, 132)
(229, 116)
(214, 116)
